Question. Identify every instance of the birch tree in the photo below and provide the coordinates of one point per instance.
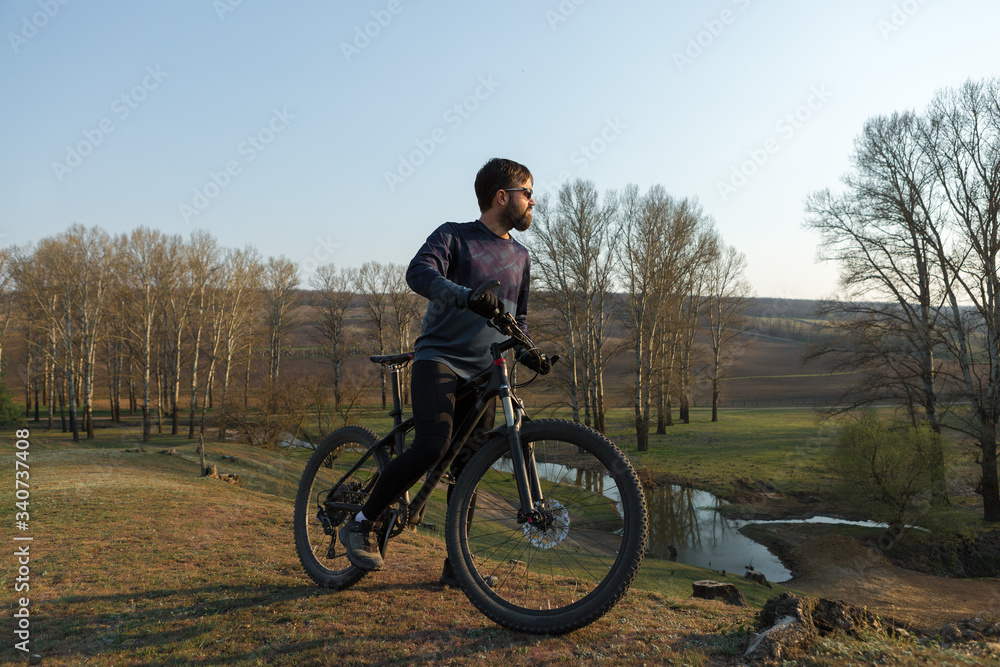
(146, 256)
(333, 301)
(240, 299)
(280, 291)
(729, 295)
(372, 283)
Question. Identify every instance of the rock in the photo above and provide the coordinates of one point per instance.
(136, 450)
(757, 577)
(785, 604)
(709, 589)
(993, 630)
(226, 457)
(971, 635)
(169, 452)
(832, 615)
(787, 639)
(232, 479)
(950, 633)
(789, 626)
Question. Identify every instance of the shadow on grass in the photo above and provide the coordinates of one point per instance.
(241, 624)
(149, 618)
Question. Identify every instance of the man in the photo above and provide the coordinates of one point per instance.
(455, 342)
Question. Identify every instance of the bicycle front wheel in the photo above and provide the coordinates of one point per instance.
(315, 522)
(567, 567)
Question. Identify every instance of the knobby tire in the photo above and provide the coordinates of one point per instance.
(569, 573)
(321, 554)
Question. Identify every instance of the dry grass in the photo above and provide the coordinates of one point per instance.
(137, 561)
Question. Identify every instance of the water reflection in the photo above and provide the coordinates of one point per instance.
(687, 521)
(684, 524)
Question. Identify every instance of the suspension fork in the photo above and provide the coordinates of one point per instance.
(525, 468)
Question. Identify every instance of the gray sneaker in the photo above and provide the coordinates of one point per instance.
(360, 539)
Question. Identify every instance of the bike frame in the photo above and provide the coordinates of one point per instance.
(493, 382)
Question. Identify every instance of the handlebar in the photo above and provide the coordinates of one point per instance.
(508, 326)
(483, 289)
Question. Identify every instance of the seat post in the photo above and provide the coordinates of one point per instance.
(397, 404)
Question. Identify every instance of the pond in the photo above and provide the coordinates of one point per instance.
(686, 525)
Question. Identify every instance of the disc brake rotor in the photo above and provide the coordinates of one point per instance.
(552, 530)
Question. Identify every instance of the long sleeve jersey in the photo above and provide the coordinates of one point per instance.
(456, 259)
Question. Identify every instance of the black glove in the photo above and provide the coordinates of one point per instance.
(486, 305)
(536, 361)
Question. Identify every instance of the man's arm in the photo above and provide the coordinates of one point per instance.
(521, 313)
(428, 270)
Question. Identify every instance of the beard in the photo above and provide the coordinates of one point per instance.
(516, 220)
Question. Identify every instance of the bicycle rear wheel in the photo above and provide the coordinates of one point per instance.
(567, 569)
(315, 523)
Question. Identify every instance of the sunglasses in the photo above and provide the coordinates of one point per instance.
(527, 191)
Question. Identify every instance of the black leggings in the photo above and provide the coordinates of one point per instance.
(436, 415)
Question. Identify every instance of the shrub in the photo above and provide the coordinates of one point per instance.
(887, 470)
(10, 414)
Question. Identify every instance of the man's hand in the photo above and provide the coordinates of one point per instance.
(537, 362)
(486, 305)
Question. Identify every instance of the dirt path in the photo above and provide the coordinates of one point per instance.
(838, 567)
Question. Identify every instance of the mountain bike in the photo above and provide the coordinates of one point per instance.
(546, 526)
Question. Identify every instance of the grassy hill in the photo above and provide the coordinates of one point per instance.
(137, 561)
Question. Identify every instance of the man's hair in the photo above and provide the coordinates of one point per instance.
(497, 174)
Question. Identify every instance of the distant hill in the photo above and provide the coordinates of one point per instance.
(767, 368)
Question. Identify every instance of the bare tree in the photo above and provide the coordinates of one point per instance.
(280, 285)
(147, 255)
(6, 298)
(334, 300)
(179, 298)
(591, 253)
(962, 141)
(643, 222)
(238, 302)
(574, 249)
(552, 291)
(919, 224)
(67, 276)
(692, 306)
(729, 295)
(372, 282)
(204, 265)
(406, 308)
(876, 231)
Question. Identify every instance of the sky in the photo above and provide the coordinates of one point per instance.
(346, 132)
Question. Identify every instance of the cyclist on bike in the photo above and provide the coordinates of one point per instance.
(455, 341)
